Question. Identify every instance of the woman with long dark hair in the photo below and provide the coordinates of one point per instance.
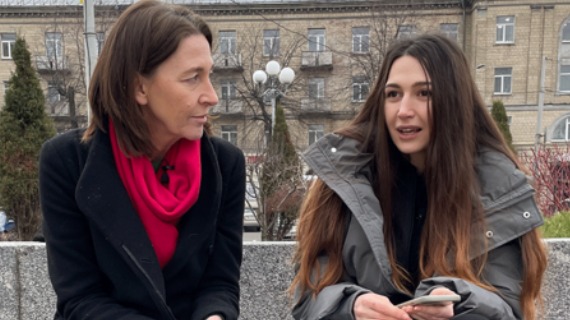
(419, 195)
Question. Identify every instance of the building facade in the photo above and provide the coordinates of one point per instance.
(335, 49)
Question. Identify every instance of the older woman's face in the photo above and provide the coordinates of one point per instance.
(176, 98)
(408, 96)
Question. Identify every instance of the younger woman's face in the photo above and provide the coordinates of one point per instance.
(406, 108)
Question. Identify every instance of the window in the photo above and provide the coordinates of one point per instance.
(316, 40)
(360, 40)
(100, 41)
(8, 42)
(229, 133)
(561, 130)
(228, 42)
(564, 78)
(228, 89)
(450, 30)
(316, 131)
(6, 86)
(271, 43)
(53, 95)
(406, 31)
(505, 29)
(503, 80)
(566, 32)
(54, 44)
(360, 88)
(564, 58)
(316, 88)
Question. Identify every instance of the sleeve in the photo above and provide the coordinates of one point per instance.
(72, 264)
(218, 292)
(334, 302)
(503, 270)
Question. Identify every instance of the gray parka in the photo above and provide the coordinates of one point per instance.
(510, 212)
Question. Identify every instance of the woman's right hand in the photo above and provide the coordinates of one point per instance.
(371, 306)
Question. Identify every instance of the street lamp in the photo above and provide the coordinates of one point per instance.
(273, 72)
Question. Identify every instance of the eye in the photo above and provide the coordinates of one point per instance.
(425, 93)
(392, 94)
(193, 78)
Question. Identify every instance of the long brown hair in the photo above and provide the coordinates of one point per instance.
(144, 36)
(460, 125)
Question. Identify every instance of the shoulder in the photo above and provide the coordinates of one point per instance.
(67, 143)
(223, 148)
(229, 157)
(497, 174)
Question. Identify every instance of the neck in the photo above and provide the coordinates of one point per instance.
(161, 149)
(418, 161)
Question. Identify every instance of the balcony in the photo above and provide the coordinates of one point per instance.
(47, 64)
(227, 62)
(227, 107)
(315, 105)
(321, 60)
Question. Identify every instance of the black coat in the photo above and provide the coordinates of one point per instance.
(101, 261)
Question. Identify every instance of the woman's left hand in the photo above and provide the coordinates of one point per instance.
(442, 311)
(214, 317)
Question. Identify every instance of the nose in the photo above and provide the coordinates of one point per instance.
(209, 97)
(406, 109)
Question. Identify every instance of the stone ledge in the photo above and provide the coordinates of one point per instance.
(26, 293)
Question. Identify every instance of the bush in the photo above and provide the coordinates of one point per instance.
(557, 226)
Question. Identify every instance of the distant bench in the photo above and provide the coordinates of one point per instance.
(26, 293)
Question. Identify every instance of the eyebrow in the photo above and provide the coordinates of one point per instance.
(417, 84)
(198, 69)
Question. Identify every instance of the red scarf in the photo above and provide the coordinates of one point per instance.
(159, 206)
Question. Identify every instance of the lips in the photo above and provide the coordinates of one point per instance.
(408, 130)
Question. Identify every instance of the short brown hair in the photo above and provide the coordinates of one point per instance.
(143, 37)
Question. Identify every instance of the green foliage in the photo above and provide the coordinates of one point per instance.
(557, 226)
(279, 182)
(24, 126)
(500, 116)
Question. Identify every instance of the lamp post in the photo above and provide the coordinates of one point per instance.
(540, 108)
(276, 75)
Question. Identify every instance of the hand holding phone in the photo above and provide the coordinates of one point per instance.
(431, 300)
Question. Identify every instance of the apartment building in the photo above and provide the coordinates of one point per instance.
(334, 47)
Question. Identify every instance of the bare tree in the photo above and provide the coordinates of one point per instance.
(550, 168)
(61, 62)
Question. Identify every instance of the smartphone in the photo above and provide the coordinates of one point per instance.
(433, 300)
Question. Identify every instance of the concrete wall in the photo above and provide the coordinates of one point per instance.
(26, 293)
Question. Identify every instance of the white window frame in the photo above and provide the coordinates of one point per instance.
(566, 32)
(228, 90)
(317, 40)
(228, 41)
(566, 130)
(230, 133)
(53, 97)
(315, 132)
(406, 31)
(54, 45)
(503, 78)
(316, 88)
(450, 30)
(564, 75)
(100, 36)
(8, 42)
(363, 88)
(504, 24)
(271, 42)
(360, 39)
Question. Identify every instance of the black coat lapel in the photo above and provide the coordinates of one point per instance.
(102, 197)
